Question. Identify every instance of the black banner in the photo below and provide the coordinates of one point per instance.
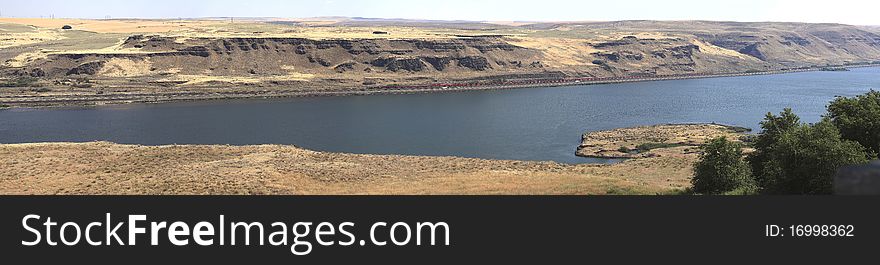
(493, 229)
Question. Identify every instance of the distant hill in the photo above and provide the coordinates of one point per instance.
(350, 53)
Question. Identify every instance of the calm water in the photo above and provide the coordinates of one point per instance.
(523, 124)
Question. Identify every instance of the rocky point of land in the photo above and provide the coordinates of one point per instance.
(654, 141)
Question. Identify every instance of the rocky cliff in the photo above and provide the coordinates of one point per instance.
(548, 50)
(279, 56)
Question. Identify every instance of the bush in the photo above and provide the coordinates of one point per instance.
(804, 159)
(622, 191)
(19, 82)
(858, 119)
(649, 146)
(721, 169)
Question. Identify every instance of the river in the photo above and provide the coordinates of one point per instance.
(521, 124)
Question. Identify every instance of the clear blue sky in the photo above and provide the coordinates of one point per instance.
(861, 12)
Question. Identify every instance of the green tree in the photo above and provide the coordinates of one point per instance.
(804, 159)
(771, 129)
(721, 169)
(858, 119)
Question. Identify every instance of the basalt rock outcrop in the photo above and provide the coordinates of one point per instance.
(662, 48)
(399, 64)
(89, 68)
(228, 56)
(474, 62)
(631, 55)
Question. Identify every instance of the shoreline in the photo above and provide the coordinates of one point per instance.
(49, 101)
(90, 168)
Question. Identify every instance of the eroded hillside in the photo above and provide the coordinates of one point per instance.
(100, 57)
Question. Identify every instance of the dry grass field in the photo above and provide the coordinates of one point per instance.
(108, 168)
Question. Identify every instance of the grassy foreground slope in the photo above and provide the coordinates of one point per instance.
(107, 168)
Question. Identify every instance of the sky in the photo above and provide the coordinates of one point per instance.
(856, 12)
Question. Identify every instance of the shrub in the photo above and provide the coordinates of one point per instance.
(738, 129)
(858, 119)
(804, 159)
(649, 146)
(19, 82)
(622, 191)
(721, 169)
(748, 140)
